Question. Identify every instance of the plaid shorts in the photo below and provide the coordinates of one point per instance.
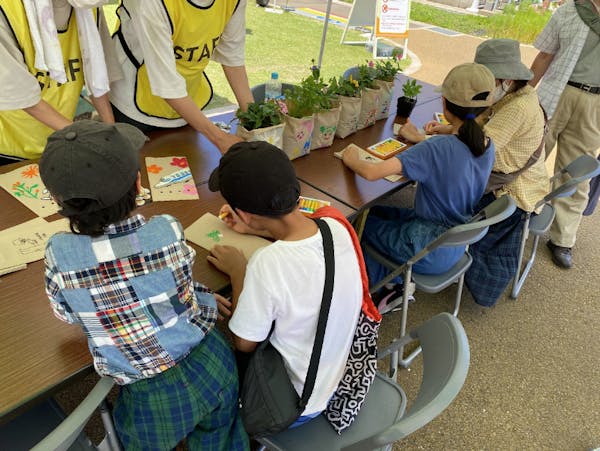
(197, 399)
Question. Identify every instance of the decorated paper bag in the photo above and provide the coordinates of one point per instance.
(368, 107)
(325, 126)
(272, 135)
(386, 91)
(297, 135)
(349, 114)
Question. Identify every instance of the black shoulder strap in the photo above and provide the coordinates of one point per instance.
(311, 375)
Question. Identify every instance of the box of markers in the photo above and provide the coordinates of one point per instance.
(309, 205)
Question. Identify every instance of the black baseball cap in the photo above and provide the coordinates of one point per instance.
(91, 160)
(258, 178)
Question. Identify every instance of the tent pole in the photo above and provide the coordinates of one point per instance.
(324, 33)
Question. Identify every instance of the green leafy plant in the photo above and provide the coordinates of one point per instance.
(344, 87)
(411, 88)
(260, 115)
(366, 76)
(387, 69)
(324, 98)
(302, 100)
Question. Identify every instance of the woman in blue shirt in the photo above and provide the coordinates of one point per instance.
(452, 172)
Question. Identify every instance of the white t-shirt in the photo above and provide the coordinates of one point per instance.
(284, 283)
(20, 88)
(147, 31)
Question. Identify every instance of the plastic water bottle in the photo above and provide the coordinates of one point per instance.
(273, 87)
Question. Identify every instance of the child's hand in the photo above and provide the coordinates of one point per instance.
(224, 306)
(350, 156)
(228, 259)
(233, 221)
(410, 132)
(435, 128)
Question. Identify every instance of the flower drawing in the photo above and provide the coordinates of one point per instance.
(179, 162)
(189, 189)
(20, 189)
(31, 171)
(154, 169)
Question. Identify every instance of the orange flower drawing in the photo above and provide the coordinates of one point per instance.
(31, 172)
(154, 169)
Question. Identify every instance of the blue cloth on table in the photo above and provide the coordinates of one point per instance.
(495, 257)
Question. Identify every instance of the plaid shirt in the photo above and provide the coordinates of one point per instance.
(563, 36)
(131, 291)
(516, 127)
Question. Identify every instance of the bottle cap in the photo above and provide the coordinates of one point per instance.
(274, 75)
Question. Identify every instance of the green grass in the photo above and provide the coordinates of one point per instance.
(465, 23)
(286, 43)
(522, 24)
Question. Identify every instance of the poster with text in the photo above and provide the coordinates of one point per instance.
(392, 18)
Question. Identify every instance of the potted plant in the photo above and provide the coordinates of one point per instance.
(299, 121)
(262, 121)
(407, 102)
(369, 97)
(327, 113)
(385, 75)
(349, 97)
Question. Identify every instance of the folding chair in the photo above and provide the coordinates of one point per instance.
(460, 235)
(583, 168)
(258, 91)
(61, 438)
(381, 420)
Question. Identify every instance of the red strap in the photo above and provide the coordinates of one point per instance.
(368, 307)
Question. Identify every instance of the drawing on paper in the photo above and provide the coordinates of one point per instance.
(215, 235)
(170, 178)
(25, 185)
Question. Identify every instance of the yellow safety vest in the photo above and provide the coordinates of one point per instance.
(195, 31)
(21, 135)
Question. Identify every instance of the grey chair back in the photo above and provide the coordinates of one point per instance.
(258, 91)
(61, 438)
(351, 71)
(446, 358)
(474, 230)
(582, 168)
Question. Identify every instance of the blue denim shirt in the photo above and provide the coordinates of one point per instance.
(131, 291)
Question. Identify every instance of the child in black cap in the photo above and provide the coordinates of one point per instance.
(128, 283)
(283, 282)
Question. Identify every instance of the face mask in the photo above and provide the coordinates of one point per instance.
(501, 90)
